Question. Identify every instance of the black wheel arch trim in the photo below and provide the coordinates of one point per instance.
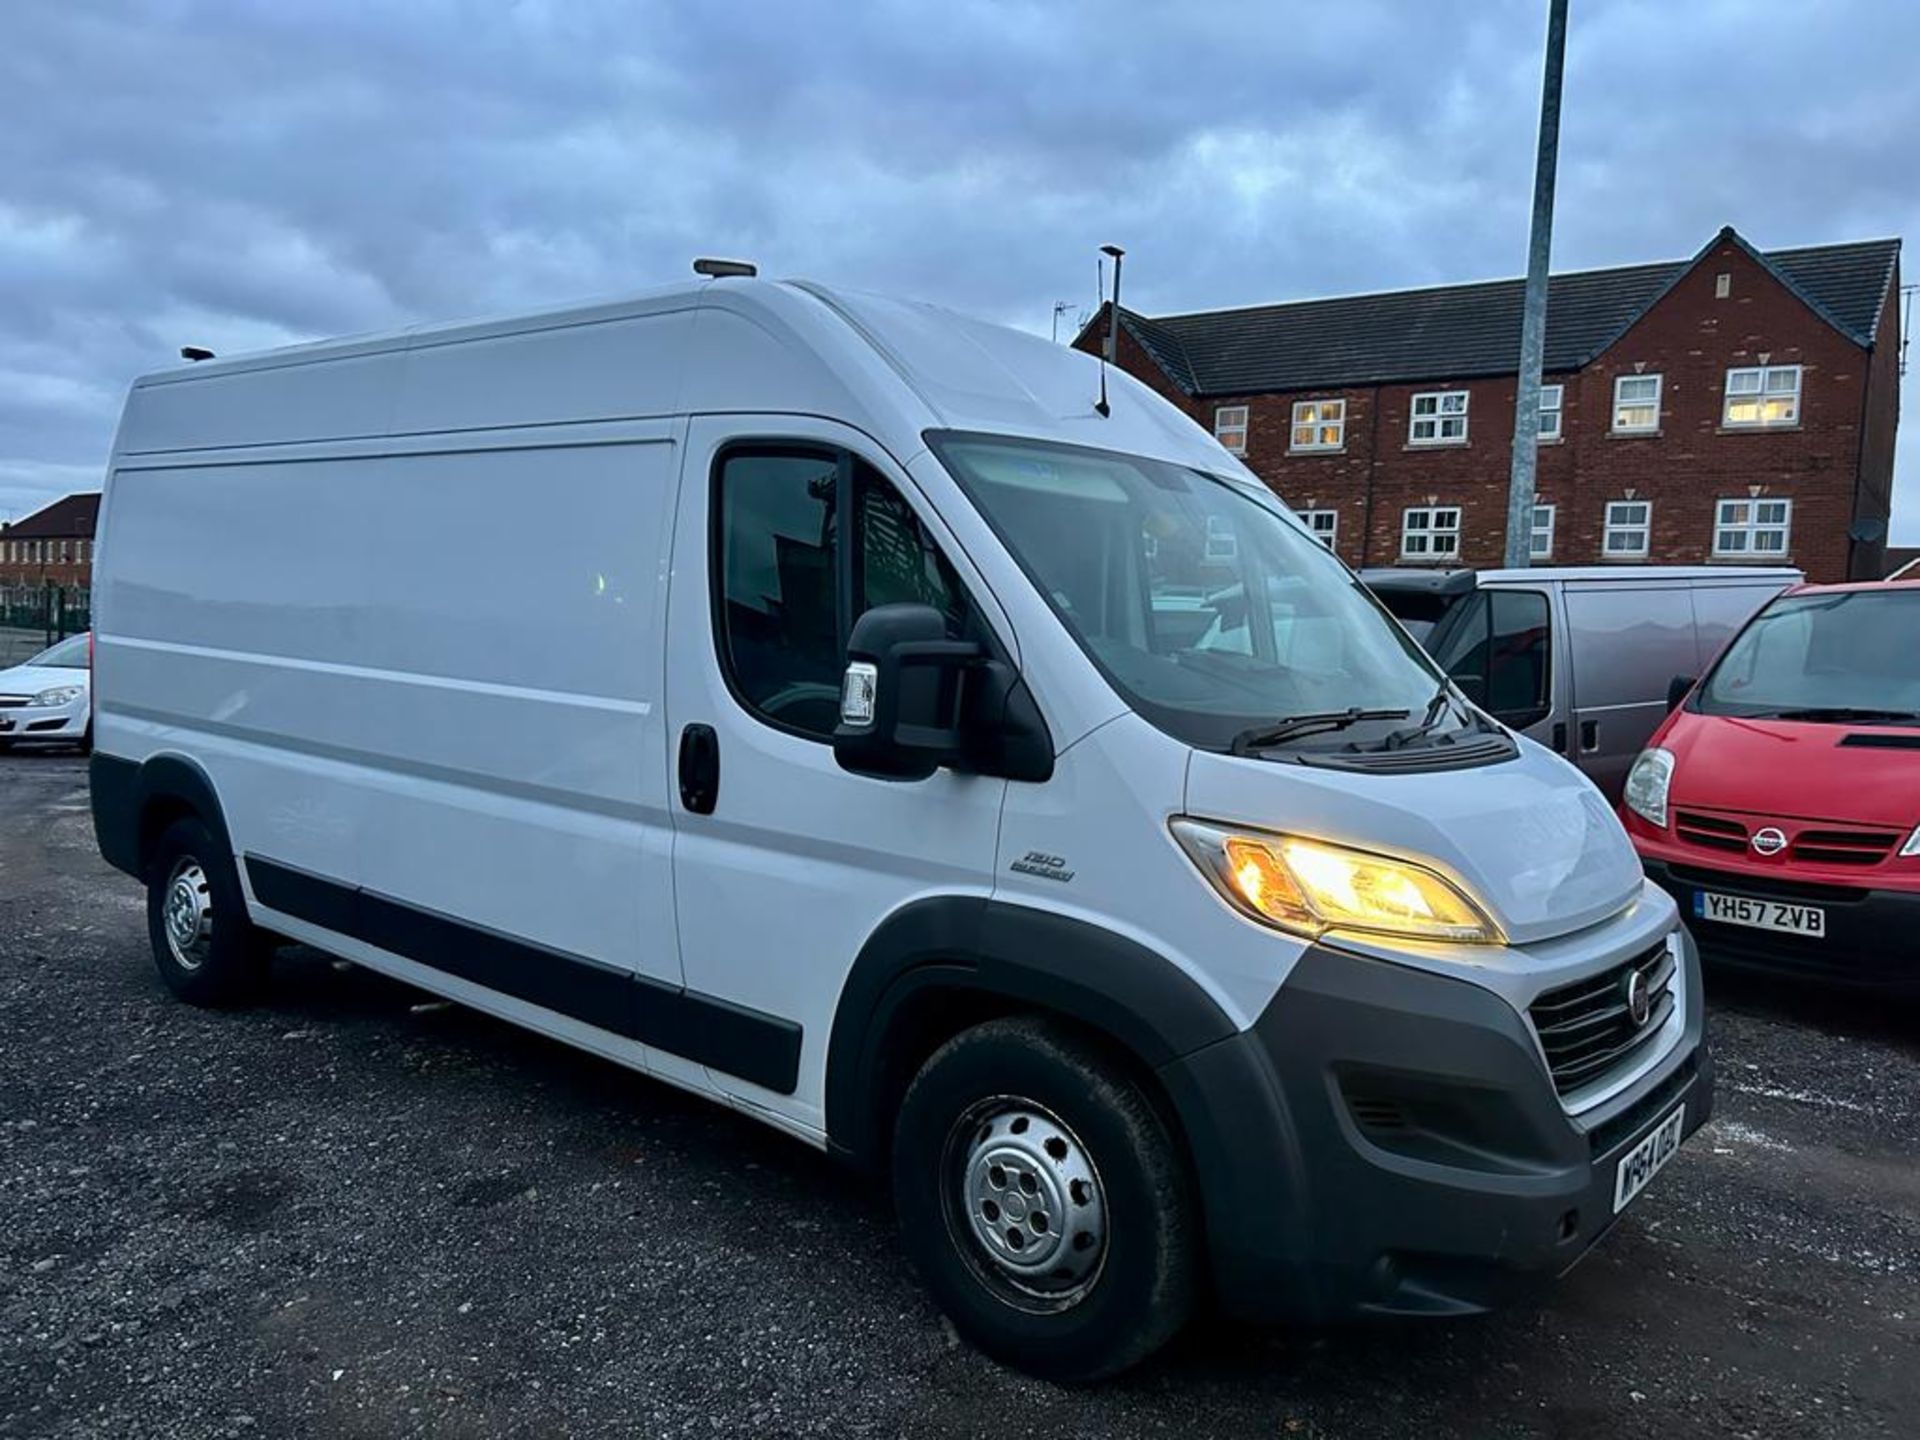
(1011, 955)
(123, 794)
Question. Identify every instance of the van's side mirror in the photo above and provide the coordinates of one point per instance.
(1474, 687)
(912, 701)
(900, 697)
(1677, 690)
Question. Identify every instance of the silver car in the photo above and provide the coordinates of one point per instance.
(1580, 658)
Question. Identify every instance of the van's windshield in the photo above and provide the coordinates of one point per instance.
(1844, 656)
(1212, 614)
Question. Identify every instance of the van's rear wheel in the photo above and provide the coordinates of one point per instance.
(1045, 1201)
(207, 951)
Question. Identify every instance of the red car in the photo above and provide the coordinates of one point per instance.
(1780, 802)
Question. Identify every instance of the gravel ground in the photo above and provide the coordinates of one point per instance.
(352, 1212)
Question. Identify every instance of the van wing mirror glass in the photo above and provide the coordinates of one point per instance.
(1677, 691)
(912, 701)
(1474, 687)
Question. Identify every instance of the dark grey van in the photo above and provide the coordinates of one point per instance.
(1578, 657)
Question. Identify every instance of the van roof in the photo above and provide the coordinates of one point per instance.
(1459, 580)
(893, 368)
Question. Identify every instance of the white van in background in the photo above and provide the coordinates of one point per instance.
(792, 694)
(1582, 658)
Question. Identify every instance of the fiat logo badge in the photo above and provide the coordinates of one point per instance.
(1639, 1002)
(1770, 841)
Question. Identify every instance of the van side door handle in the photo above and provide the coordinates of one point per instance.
(699, 768)
(1589, 735)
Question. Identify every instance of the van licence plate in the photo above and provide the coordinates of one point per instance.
(1647, 1159)
(1778, 915)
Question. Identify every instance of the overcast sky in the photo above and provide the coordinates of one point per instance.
(241, 174)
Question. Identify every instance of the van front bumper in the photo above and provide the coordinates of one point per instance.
(1388, 1140)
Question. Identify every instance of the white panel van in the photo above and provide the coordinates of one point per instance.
(807, 698)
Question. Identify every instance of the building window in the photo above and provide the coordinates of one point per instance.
(1550, 412)
(1439, 418)
(1629, 530)
(1430, 532)
(1325, 525)
(1542, 539)
(1230, 428)
(1223, 543)
(1752, 527)
(1636, 404)
(1761, 396)
(1319, 425)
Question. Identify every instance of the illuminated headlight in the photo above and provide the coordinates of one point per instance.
(59, 695)
(1647, 782)
(1309, 887)
(1912, 847)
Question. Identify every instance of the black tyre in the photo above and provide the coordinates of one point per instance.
(1045, 1200)
(85, 742)
(206, 949)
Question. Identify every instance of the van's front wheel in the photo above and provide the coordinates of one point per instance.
(1045, 1201)
(207, 951)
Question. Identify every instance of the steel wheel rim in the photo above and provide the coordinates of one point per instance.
(1025, 1203)
(186, 914)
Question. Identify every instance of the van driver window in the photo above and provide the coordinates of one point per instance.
(782, 630)
(1503, 639)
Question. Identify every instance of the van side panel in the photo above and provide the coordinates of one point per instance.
(1628, 642)
(1720, 610)
(395, 681)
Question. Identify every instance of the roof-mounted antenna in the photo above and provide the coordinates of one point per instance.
(195, 352)
(1110, 351)
(725, 269)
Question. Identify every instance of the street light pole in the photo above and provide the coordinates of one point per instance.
(1533, 327)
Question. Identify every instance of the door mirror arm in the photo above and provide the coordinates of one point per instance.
(1678, 689)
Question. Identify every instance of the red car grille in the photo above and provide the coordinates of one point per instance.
(1843, 847)
(1715, 832)
(1809, 847)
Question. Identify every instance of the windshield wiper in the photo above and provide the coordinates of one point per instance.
(1292, 727)
(1436, 708)
(1841, 714)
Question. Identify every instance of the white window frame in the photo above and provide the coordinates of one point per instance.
(1762, 390)
(1325, 525)
(1439, 415)
(1650, 404)
(1316, 417)
(1223, 428)
(1223, 541)
(1617, 524)
(1428, 532)
(1534, 549)
(1558, 392)
(1752, 527)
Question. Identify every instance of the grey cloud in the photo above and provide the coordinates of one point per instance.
(242, 174)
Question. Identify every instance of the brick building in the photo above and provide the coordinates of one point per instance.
(1739, 406)
(51, 547)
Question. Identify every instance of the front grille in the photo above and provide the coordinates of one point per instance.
(10, 702)
(1843, 847)
(1585, 1028)
(1715, 832)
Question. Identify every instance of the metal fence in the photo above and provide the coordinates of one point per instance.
(34, 617)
